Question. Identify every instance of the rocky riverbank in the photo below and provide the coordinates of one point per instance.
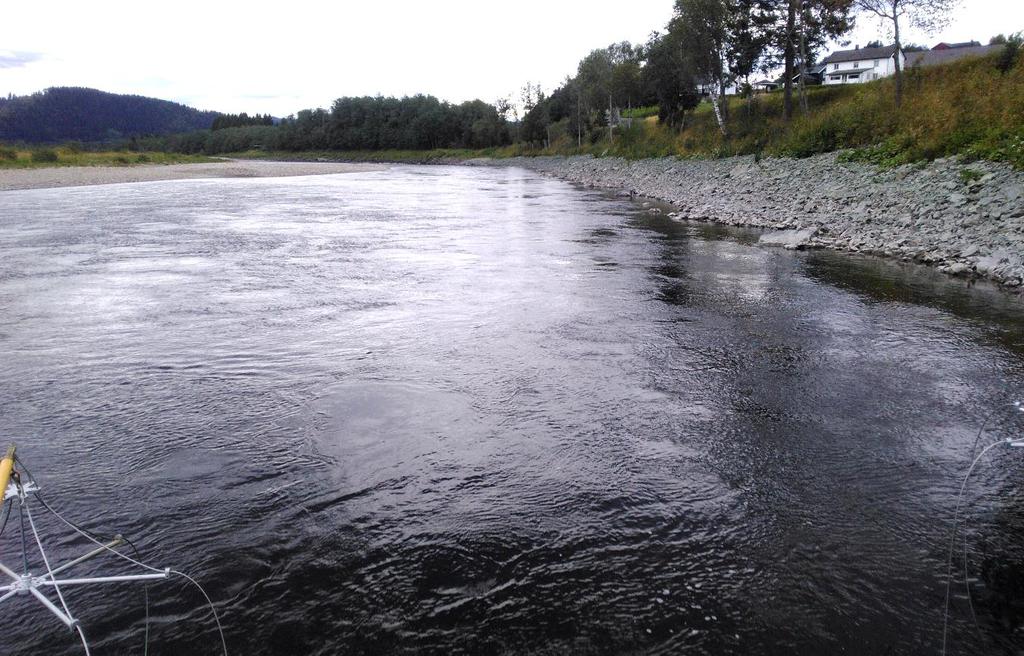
(964, 219)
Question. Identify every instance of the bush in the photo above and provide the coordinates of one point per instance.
(8, 154)
(1007, 58)
(48, 155)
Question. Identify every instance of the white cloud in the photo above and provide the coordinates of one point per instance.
(281, 57)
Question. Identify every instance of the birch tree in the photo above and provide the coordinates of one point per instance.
(926, 15)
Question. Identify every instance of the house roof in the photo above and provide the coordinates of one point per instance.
(947, 55)
(962, 44)
(848, 71)
(859, 54)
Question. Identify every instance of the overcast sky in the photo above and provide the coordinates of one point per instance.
(279, 57)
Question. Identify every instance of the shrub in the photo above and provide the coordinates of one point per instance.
(8, 154)
(1007, 58)
(44, 155)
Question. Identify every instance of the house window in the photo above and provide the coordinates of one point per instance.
(876, 63)
(856, 64)
(855, 76)
(835, 67)
(833, 77)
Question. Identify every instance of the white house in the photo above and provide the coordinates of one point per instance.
(861, 65)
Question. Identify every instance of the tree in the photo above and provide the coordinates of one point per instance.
(748, 33)
(926, 15)
(803, 27)
(670, 77)
(819, 22)
(700, 26)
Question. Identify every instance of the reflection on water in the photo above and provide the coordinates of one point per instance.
(450, 410)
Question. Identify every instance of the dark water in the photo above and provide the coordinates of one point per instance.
(456, 411)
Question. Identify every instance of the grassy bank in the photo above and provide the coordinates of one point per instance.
(24, 158)
(970, 108)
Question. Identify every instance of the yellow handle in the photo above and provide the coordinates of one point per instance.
(6, 466)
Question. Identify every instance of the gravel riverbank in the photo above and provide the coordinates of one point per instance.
(76, 176)
(964, 219)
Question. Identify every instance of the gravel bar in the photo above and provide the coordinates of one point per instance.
(76, 176)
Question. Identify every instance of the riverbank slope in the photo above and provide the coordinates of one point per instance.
(964, 219)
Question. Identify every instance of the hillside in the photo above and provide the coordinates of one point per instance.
(63, 114)
(972, 108)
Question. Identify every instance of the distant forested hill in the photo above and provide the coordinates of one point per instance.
(78, 114)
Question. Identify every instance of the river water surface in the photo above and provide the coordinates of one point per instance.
(476, 411)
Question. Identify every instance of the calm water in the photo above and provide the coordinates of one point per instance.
(456, 411)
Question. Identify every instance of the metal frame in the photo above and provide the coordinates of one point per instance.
(30, 584)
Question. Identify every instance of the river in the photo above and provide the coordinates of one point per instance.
(448, 410)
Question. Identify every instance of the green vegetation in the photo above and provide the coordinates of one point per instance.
(353, 124)
(72, 155)
(641, 112)
(44, 156)
(969, 108)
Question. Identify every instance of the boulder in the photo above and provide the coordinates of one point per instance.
(791, 239)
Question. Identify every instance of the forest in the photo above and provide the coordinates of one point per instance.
(62, 114)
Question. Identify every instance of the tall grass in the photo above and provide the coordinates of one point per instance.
(73, 155)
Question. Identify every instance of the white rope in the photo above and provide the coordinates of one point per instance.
(952, 539)
(213, 609)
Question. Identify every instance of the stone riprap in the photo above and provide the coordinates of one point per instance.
(964, 219)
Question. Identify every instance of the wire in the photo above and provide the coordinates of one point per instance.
(7, 515)
(966, 521)
(952, 540)
(85, 534)
(85, 644)
(95, 539)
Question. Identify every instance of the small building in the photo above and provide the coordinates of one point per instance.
(947, 46)
(861, 65)
(765, 85)
(810, 75)
(945, 53)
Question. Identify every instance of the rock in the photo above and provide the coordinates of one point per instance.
(789, 238)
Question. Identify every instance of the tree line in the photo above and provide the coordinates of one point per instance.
(240, 120)
(364, 123)
(708, 46)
